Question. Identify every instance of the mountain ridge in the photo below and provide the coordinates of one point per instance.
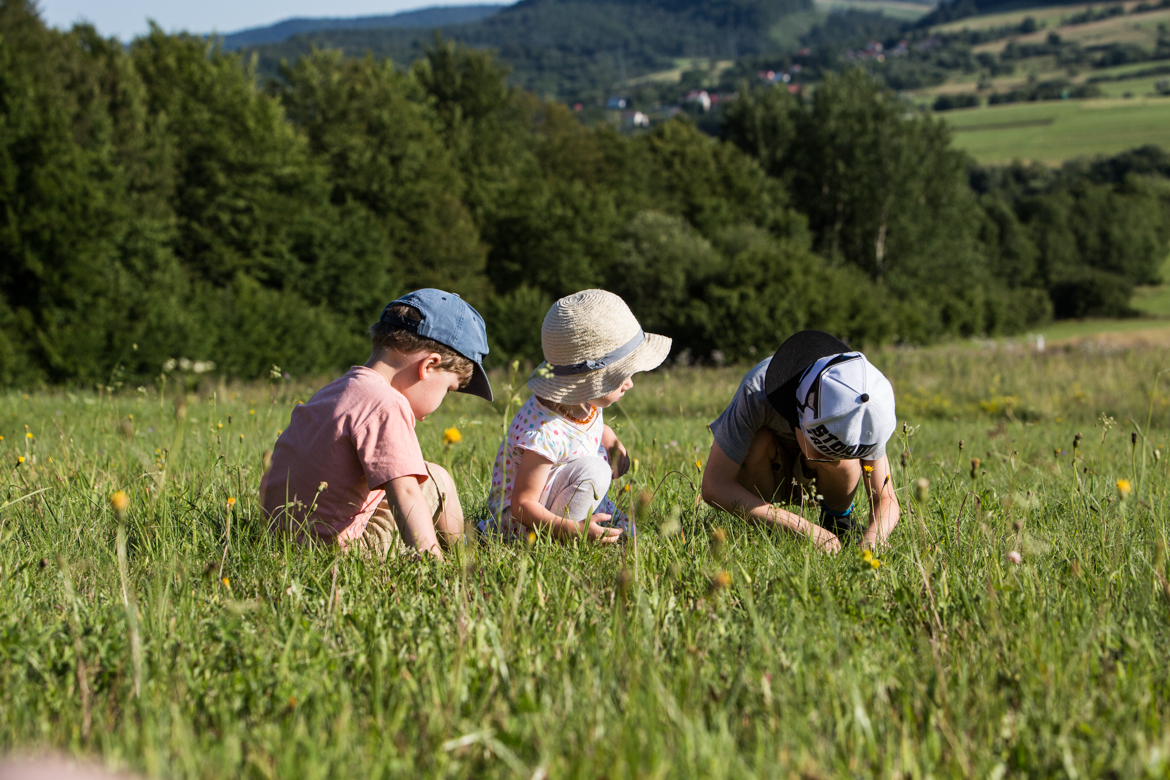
(428, 17)
(573, 49)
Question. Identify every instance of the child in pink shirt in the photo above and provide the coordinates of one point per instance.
(554, 469)
(349, 467)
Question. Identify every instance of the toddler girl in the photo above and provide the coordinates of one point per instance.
(554, 469)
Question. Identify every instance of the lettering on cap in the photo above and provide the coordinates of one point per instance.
(824, 440)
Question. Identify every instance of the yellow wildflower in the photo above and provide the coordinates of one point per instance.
(866, 555)
(251, 411)
(698, 465)
(867, 469)
(720, 581)
(28, 435)
(218, 426)
(452, 436)
(231, 502)
(1124, 488)
(875, 563)
(19, 459)
(226, 583)
(120, 502)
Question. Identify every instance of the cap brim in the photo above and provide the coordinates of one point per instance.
(795, 355)
(479, 384)
(579, 388)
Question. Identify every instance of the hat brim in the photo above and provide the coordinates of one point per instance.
(479, 384)
(795, 355)
(579, 388)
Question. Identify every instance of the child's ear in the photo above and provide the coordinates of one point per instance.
(429, 363)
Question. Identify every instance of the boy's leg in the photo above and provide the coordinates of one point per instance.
(837, 482)
(448, 514)
(767, 469)
(756, 473)
(575, 489)
(382, 535)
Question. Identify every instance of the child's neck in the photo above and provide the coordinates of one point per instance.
(577, 413)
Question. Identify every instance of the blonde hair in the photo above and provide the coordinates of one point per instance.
(384, 335)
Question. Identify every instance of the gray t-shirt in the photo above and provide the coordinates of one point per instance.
(749, 411)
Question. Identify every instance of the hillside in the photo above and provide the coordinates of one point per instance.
(575, 49)
(428, 18)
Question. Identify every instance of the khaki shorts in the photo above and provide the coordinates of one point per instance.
(381, 536)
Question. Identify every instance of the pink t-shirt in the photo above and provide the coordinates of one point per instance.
(356, 434)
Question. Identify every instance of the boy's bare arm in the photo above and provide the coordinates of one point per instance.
(721, 490)
(532, 474)
(413, 514)
(884, 510)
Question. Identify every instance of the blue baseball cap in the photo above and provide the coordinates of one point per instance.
(449, 320)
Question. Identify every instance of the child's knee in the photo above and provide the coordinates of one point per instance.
(592, 470)
(763, 448)
(443, 480)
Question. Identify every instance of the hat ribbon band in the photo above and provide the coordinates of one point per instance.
(592, 365)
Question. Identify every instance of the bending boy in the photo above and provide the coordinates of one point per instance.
(815, 416)
(349, 467)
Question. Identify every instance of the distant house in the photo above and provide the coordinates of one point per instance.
(700, 96)
(635, 119)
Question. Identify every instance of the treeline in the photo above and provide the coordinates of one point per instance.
(981, 249)
(155, 204)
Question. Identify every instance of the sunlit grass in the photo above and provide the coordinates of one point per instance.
(694, 653)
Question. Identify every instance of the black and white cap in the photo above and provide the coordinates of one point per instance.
(843, 404)
(846, 406)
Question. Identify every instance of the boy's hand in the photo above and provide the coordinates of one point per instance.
(826, 541)
(600, 533)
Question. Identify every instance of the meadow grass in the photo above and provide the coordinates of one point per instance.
(184, 641)
(1054, 131)
(1154, 300)
(1140, 30)
(1046, 16)
(895, 9)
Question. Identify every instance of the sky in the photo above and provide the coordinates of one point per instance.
(126, 18)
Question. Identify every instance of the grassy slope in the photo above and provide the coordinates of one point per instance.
(895, 9)
(1154, 301)
(1055, 131)
(1140, 29)
(948, 660)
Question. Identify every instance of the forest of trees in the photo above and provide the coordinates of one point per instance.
(159, 201)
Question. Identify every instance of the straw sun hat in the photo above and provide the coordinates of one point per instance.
(592, 342)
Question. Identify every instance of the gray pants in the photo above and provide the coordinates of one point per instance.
(575, 490)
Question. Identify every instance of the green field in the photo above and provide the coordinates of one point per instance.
(1054, 131)
(895, 9)
(193, 645)
(1046, 16)
(1130, 112)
